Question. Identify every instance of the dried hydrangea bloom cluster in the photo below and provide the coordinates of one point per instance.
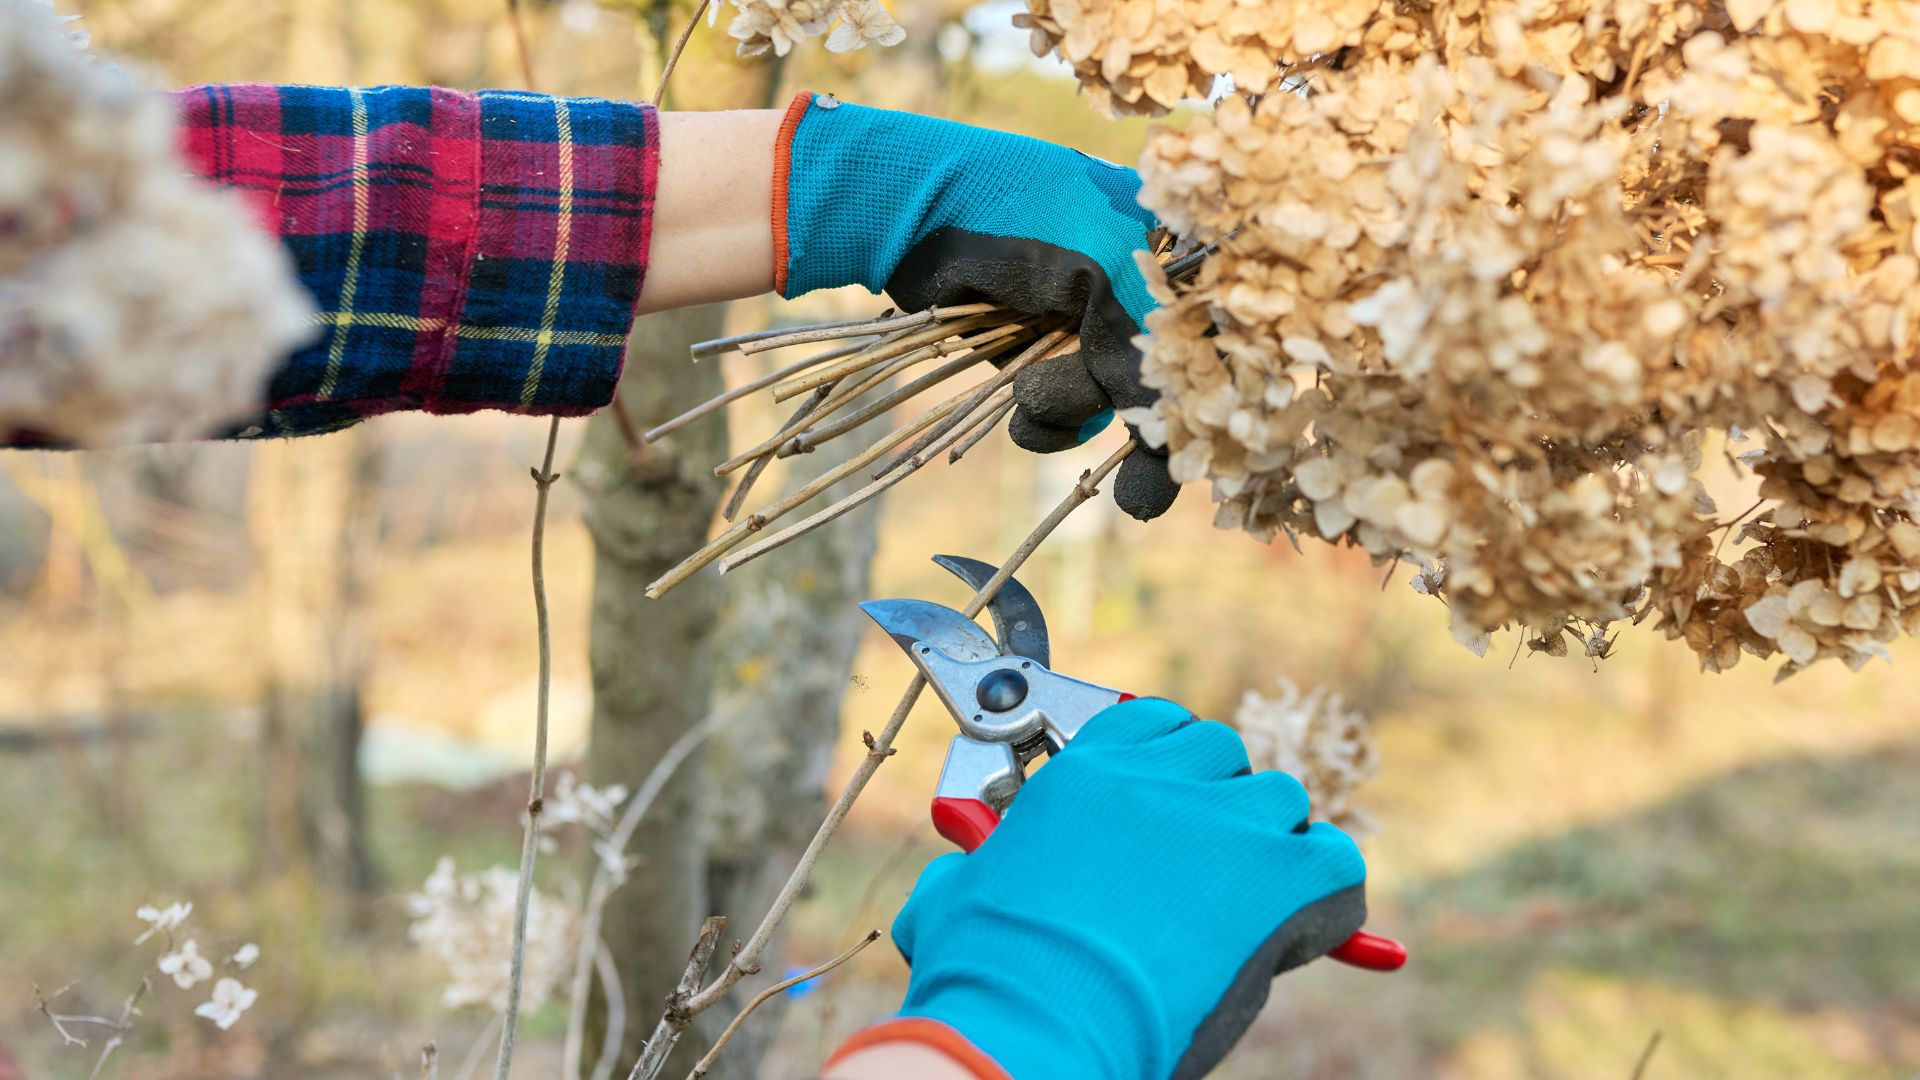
(465, 921)
(1142, 56)
(1495, 284)
(1317, 740)
(780, 24)
(135, 302)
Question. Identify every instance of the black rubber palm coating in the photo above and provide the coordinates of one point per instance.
(1313, 931)
(1054, 398)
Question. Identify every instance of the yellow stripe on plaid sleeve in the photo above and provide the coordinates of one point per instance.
(337, 348)
(563, 224)
(524, 335)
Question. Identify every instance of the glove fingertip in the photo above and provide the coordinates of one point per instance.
(1059, 391)
(1143, 487)
(1038, 436)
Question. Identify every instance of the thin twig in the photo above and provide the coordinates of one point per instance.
(767, 456)
(844, 391)
(1054, 343)
(828, 331)
(715, 346)
(706, 1063)
(543, 479)
(680, 46)
(796, 422)
(899, 472)
(814, 438)
(120, 1029)
(609, 976)
(520, 44)
(666, 427)
(733, 536)
(604, 884)
(430, 1062)
(1640, 1067)
(880, 747)
(653, 1057)
(479, 1048)
(981, 432)
(899, 346)
(60, 1020)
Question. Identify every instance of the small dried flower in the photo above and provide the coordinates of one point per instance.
(229, 1000)
(778, 25)
(863, 23)
(245, 956)
(162, 920)
(185, 965)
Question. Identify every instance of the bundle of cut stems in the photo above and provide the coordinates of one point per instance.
(873, 366)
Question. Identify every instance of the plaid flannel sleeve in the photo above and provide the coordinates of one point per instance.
(466, 251)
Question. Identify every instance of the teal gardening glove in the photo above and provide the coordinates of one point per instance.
(1126, 918)
(937, 212)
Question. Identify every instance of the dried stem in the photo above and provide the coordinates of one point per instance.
(653, 1057)
(543, 479)
(814, 438)
(121, 1028)
(520, 47)
(828, 331)
(880, 747)
(1646, 1056)
(669, 426)
(479, 1048)
(680, 46)
(899, 346)
(1054, 343)
(732, 537)
(609, 976)
(899, 472)
(706, 1062)
(981, 432)
(603, 886)
(794, 423)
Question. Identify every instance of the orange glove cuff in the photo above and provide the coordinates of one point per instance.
(929, 1033)
(782, 169)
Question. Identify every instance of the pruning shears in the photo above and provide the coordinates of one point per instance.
(1011, 708)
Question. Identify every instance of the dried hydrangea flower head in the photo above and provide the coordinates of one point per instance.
(1314, 738)
(465, 921)
(778, 25)
(1496, 281)
(136, 303)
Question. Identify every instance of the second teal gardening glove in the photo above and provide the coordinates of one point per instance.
(1126, 918)
(937, 212)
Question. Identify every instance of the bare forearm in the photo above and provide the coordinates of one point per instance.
(712, 211)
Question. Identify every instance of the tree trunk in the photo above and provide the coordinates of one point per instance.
(650, 658)
(315, 517)
(769, 650)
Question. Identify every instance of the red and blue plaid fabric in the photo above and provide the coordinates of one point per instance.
(466, 251)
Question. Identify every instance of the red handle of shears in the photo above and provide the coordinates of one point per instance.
(968, 823)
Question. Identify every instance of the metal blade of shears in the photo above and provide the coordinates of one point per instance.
(917, 622)
(1017, 621)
